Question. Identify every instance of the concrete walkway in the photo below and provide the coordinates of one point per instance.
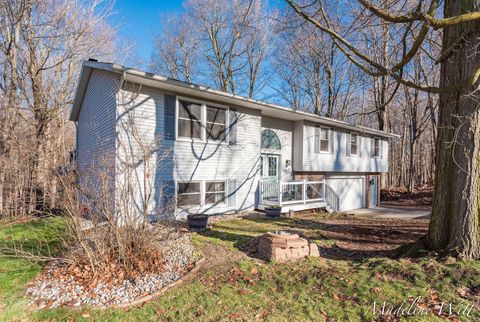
(391, 213)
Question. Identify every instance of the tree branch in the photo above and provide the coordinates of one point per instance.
(428, 18)
(349, 51)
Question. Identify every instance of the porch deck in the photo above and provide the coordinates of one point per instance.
(298, 195)
(299, 207)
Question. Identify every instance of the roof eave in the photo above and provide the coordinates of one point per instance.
(206, 92)
(192, 89)
(86, 70)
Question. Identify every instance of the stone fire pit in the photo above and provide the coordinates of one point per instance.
(284, 246)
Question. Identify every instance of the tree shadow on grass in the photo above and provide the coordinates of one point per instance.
(356, 240)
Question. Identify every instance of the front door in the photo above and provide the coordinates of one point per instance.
(374, 191)
(270, 167)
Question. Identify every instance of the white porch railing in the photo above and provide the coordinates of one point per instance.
(296, 192)
(331, 197)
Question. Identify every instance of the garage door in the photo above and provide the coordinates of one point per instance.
(350, 190)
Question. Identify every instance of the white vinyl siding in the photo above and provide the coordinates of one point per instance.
(96, 133)
(96, 130)
(203, 160)
(339, 160)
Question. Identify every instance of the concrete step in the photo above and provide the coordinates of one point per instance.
(329, 209)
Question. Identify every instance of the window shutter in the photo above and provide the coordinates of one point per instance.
(232, 187)
(168, 202)
(380, 148)
(316, 141)
(359, 145)
(349, 144)
(372, 140)
(332, 141)
(170, 103)
(233, 126)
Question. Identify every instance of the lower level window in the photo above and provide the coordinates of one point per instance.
(214, 192)
(188, 193)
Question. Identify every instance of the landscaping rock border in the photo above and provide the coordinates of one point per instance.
(141, 300)
(48, 291)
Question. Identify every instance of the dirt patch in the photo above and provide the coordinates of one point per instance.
(421, 198)
(362, 238)
(338, 236)
(216, 255)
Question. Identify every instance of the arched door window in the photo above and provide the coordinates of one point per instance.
(270, 140)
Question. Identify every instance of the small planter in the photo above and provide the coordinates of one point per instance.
(273, 212)
(197, 222)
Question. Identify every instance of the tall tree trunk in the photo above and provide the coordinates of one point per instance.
(412, 174)
(455, 226)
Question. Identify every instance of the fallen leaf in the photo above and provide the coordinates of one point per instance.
(244, 291)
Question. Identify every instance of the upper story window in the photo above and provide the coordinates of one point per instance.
(216, 123)
(189, 120)
(377, 151)
(199, 121)
(322, 140)
(354, 144)
(270, 140)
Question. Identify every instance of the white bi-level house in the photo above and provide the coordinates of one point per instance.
(215, 152)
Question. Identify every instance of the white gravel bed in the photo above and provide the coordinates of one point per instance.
(52, 293)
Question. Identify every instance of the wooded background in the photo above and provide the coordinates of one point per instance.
(251, 48)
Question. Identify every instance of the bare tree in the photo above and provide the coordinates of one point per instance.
(319, 79)
(175, 54)
(225, 43)
(44, 44)
(454, 227)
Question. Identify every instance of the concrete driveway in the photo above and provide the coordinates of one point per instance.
(391, 213)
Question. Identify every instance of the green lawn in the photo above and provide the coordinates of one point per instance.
(246, 289)
(40, 237)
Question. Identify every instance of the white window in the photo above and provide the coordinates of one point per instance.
(216, 124)
(188, 193)
(214, 192)
(189, 120)
(377, 152)
(322, 140)
(354, 144)
(201, 122)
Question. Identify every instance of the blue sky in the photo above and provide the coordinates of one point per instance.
(138, 21)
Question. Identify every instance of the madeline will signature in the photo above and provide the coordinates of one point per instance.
(417, 308)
